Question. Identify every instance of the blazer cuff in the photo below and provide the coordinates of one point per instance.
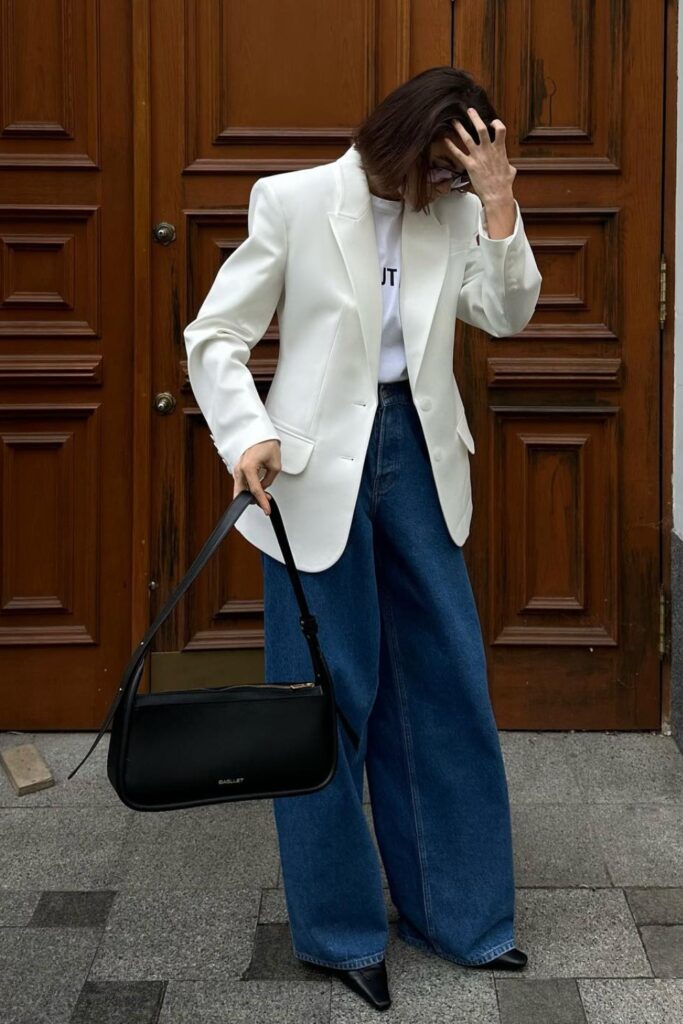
(230, 451)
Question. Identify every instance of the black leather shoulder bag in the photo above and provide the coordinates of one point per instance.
(185, 748)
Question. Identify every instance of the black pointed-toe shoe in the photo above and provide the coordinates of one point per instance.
(512, 960)
(369, 982)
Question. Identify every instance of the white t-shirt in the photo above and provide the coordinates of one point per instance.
(388, 214)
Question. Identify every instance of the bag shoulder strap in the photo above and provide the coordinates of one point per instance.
(308, 622)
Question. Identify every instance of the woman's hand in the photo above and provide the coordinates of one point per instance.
(490, 171)
(248, 469)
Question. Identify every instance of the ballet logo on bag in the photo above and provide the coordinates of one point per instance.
(223, 782)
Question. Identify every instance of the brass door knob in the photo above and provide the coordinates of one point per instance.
(163, 232)
(164, 403)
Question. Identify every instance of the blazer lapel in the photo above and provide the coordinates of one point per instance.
(424, 261)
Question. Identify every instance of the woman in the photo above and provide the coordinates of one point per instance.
(364, 443)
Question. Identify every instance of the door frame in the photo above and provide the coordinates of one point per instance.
(669, 111)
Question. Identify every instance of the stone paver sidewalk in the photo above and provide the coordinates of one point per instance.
(112, 916)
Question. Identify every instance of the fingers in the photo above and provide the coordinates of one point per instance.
(254, 484)
(268, 477)
(464, 135)
(255, 475)
(481, 128)
(500, 131)
(246, 480)
(457, 154)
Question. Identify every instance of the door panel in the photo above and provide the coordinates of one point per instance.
(564, 549)
(66, 354)
(269, 87)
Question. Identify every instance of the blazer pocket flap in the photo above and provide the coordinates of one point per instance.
(465, 434)
(295, 449)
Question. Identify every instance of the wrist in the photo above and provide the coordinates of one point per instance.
(499, 217)
(499, 201)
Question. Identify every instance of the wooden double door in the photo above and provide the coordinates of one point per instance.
(126, 169)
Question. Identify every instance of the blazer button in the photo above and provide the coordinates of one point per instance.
(426, 403)
(437, 454)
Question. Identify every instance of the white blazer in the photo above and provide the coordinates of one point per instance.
(311, 254)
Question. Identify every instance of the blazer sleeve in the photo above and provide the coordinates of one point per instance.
(233, 317)
(502, 282)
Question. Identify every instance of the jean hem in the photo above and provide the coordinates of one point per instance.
(491, 954)
(350, 964)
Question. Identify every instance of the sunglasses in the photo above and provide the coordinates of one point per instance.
(458, 179)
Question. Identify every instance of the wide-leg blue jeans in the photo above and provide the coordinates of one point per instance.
(400, 631)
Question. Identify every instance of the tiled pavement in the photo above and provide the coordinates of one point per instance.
(117, 917)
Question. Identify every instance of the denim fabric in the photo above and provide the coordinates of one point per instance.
(400, 630)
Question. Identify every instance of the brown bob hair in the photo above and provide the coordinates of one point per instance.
(394, 140)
